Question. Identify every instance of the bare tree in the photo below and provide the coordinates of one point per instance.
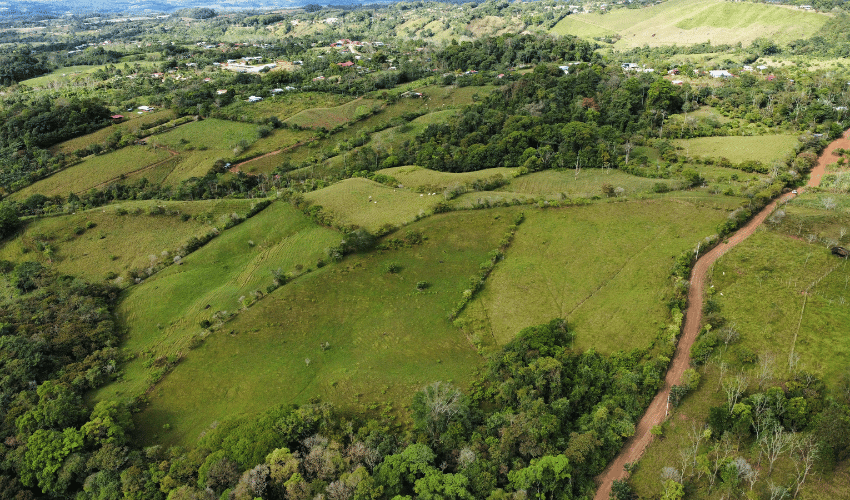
(734, 387)
(777, 492)
(774, 443)
(803, 455)
(765, 369)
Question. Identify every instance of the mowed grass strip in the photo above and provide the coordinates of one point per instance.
(95, 171)
(764, 148)
(163, 313)
(370, 205)
(604, 267)
(385, 339)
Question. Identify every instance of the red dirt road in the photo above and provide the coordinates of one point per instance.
(657, 411)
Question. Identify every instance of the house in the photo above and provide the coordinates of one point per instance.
(221, 91)
(630, 66)
(276, 91)
(145, 108)
(346, 64)
(117, 118)
(254, 98)
(720, 73)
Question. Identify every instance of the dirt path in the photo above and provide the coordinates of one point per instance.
(657, 411)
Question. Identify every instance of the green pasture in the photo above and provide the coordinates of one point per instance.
(370, 205)
(413, 177)
(283, 105)
(95, 171)
(395, 136)
(330, 118)
(761, 286)
(132, 123)
(764, 148)
(385, 340)
(685, 22)
(586, 184)
(114, 243)
(210, 133)
(163, 313)
(604, 267)
(69, 74)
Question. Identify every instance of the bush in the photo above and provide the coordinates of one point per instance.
(393, 268)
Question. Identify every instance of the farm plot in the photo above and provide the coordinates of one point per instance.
(586, 184)
(364, 338)
(603, 267)
(164, 312)
(95, 171)
(763, 148)
(370, 205)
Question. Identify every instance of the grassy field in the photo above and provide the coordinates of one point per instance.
(603, 267)
(801, 304)
(283, 106)
(116, 243)
(413, 177)
(766, 148)
(132, 124)
(329, 118)
(684, 22)
(95, 171)
(370, 205)
(71, 74)
(386, 340)
(164, 312)
(586, 184)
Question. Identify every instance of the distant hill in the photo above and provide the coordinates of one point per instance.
(684, 22)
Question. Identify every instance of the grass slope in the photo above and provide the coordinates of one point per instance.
(386, 339)
(164, 312)
(685, 22)
(765, 148)
(603, 267)
(350, 203)
(95, 171)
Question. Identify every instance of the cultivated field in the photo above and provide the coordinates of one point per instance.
(329, 118)
(283, 105)
(131, 124)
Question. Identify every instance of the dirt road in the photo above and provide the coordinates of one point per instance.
(657, 411)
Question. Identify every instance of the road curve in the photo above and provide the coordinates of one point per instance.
(657, 411)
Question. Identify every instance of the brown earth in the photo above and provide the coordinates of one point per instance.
(658, 409)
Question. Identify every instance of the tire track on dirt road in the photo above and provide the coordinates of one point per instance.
(657, 411)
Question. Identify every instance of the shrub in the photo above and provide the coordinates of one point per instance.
(422, 285)
(393, 268)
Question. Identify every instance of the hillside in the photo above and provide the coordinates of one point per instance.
(687, 22)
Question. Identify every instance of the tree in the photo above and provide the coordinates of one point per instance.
(438, 486)
(46, 452)
(9, 219)
(774, 443)
(545, 477)
(437, 406)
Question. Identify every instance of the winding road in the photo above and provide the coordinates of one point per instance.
(657, 411)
